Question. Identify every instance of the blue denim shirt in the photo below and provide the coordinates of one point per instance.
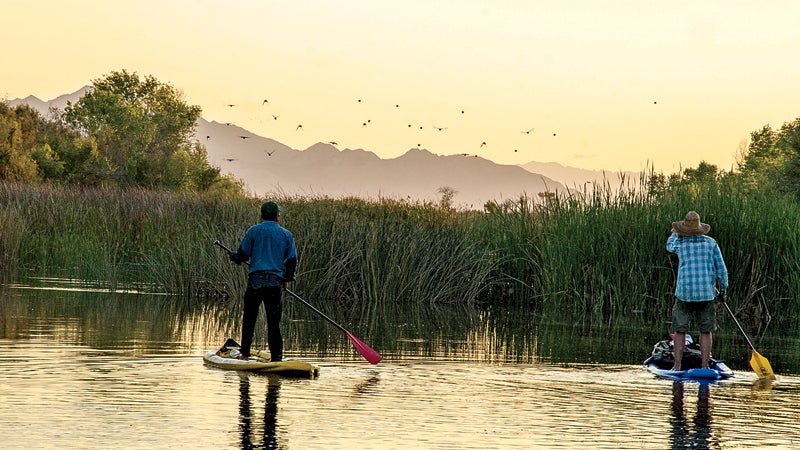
(272, 254)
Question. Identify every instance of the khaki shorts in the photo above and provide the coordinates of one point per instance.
(703, 312)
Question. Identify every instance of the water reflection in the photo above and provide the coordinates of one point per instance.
(367, 386)
(698, 434)
(91, 370)
(400, 331)
(269, 437)
(762, 385)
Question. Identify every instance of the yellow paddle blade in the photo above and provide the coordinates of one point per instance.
(761, 366)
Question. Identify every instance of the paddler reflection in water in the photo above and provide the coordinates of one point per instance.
(699, 433)
(270, 412)
(273, 261)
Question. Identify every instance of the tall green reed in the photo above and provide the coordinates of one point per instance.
(12, 227)
(367, 256)
(594, 255)
(604, 255)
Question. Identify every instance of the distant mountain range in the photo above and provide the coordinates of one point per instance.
(323, 170)
(269, 167)
(575, 178)
(44, 106)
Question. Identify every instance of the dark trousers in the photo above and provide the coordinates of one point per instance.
(271, 296)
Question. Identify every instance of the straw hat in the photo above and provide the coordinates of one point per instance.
(691, 225)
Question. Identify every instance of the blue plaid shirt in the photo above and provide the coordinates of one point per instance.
(700, 267)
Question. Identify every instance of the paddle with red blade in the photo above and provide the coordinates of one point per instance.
(369, 354)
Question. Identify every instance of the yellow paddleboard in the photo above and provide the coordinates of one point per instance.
(260, 363)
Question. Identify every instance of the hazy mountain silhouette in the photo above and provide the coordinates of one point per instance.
(44, 106)
(324, 170)
(267, 167)
(575, 178)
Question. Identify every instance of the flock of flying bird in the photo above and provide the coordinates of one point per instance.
(366, 123)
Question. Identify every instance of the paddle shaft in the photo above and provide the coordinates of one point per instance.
(371, 355)
(309, 305)
(736, 322)
(760, 364)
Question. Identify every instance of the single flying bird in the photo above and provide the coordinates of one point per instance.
(527, 132)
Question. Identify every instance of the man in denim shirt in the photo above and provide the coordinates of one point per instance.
(701, 271)
(273, 261)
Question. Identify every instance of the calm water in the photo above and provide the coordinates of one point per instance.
(83, 369)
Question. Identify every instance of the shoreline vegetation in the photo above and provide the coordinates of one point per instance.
(114, 189)
(599, 256)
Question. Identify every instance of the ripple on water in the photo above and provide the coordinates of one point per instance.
(77, 397)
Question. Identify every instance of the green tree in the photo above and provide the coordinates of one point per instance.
(705, 173)
(656, 184)
(47, 162)
(18, 133)
(81, 160)
(138, 125)
(789, 142)
(447, 194)
(762, 163)
(772, 160)
(188, 170)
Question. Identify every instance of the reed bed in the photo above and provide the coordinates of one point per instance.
(12, 228)
(600, 256)
(597, 256)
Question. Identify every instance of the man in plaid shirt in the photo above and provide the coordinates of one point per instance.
(701, 271)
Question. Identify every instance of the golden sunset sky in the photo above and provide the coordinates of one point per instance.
(615, 85)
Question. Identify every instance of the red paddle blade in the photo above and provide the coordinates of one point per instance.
(369, 354)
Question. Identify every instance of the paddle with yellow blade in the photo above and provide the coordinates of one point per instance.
(759, 364)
